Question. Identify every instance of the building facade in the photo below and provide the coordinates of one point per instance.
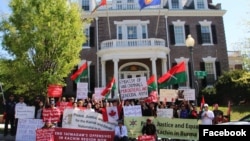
(124, 41)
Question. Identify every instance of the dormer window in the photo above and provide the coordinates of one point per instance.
(201, 4)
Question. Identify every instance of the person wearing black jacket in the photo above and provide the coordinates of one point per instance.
(9, 109)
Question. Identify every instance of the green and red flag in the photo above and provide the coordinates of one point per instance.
(152, 86)
(109, 88)
(81, 72)
(175, 75)
(101, 3)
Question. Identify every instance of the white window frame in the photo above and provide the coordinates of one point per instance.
(212, 60)
(197, 2)
(87, 35)
(171, 6)
(179, 24)
(85, 2)
(124, 26)
(207, 24)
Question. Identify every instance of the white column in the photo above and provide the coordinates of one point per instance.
(164, 65)
(103, 74)
(116, 60)
(153, 61)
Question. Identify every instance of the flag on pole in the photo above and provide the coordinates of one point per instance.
(175, 75)
(110, 113)
(202, 103)
(101, 3)
(81, 72)
(145, 3)
(109, 88)
(151, 84)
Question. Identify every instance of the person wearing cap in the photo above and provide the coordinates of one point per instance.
(121, 132)
(149, 129)
(207, 116)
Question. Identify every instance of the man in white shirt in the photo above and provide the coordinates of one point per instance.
(19, 105)
(207, 116)
(121, 132)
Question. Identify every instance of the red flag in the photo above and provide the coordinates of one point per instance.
(109, 87)
(202, 102)
(153, 97)
(175, 75)
(101, 3)
(83, 70)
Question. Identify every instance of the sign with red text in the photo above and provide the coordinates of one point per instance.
(45, 134)
(67, 134)
(133, 88)
(52, 114)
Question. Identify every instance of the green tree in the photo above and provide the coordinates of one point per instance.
(233, 85)
(44, 39)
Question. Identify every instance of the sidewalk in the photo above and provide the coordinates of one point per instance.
(8, 137)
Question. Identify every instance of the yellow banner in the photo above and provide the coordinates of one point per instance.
(175, 128)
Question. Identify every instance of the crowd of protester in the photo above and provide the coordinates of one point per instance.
(181, 109)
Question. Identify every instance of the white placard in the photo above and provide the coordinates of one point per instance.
(133, 88)
(82, 90)
(168, 113)
(24, 112)
(168, 95)
(26, 129)
(130, 111)
(189, 94)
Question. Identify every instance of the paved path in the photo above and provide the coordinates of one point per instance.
(8, 137)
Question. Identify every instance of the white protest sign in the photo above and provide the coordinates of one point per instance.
(168, 95)
(86, 120)
(130, 111)
(24, 112)
(97, 95)
(26, 129)
(133, 88)
(82, 90)
(168, 113)
(189, 94)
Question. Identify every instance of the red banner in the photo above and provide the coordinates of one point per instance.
(146, 138)
(54, 90)
(67, 134)
(45, 134)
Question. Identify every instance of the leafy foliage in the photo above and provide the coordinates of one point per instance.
(44, 38)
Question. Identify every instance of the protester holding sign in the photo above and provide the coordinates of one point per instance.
(48, 124)
(9, 109)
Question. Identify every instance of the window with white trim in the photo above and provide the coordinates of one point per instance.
(175, 4)
(206, 32)
(87, 35)
(209, 63)
(201, 4)
(132, 29)
(85, 5)
(179, 32)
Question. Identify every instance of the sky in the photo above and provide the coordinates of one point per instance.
(235, 18)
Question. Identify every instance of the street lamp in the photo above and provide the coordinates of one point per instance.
(190, 44)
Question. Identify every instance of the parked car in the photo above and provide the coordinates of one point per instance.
(243, 121)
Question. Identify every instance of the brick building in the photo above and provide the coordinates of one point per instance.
(124, 41)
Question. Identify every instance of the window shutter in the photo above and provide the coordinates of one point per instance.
(204, 81)
(214, 34)
(199, 37)
(218, 69)
(187, 30)
(91, 36)
(171, 34)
